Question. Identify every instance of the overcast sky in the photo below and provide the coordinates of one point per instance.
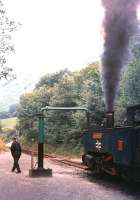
(55, 34)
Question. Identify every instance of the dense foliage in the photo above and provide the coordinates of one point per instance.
(129, 93)
(6, 46)
(64, 88)
(80, 88)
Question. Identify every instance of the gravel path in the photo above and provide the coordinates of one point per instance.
(67, 183)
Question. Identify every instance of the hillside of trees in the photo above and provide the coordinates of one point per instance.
(64, 88)
(80, 88)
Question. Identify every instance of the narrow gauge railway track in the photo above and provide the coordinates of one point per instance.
(53, 158)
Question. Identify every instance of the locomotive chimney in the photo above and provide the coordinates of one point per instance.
(109, 119)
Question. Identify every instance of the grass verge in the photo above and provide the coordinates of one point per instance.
(9, 123)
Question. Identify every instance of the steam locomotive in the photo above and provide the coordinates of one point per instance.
(115, 150)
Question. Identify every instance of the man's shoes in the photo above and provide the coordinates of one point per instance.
(18, 172)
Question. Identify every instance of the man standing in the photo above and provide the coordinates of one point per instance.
(16, 153)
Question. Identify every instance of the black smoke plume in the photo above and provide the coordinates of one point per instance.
(119, 25)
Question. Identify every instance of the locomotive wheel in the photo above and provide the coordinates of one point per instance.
(90, 162)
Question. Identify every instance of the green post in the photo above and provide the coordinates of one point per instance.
(41, 141)
(40, 171)
(41, 128)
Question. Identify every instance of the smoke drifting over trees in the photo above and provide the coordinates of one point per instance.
(120, 24)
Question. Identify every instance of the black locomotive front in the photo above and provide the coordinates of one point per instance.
(115, 150)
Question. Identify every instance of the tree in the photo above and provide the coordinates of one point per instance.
(49, 80)
(61, 122)
(90, 92)
(6, 47)
(81, 88)
(132, 83)
(129, 93)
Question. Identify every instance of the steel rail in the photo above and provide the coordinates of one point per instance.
(54, 158)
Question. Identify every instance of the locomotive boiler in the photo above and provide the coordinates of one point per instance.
(115, 150)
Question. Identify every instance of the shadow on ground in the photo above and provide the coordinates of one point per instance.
(116, 183)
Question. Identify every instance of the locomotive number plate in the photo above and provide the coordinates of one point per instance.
(97, 135)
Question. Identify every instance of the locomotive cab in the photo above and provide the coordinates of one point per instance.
(133, 115)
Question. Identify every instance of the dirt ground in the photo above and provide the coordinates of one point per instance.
(67, 183)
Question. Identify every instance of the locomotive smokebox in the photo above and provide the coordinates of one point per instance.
(109, 119)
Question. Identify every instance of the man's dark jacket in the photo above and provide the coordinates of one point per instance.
(15, 149)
